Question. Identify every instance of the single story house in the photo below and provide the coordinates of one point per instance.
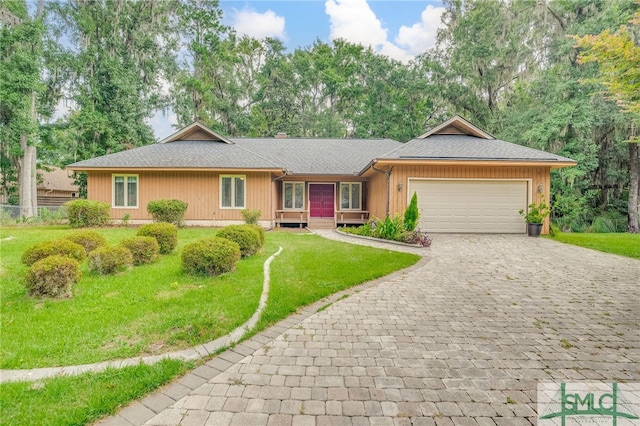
(466, 180)
(55, 187)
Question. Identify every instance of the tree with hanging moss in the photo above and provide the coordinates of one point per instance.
(618, 59)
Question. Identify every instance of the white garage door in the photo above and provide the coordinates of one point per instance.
(470, 206)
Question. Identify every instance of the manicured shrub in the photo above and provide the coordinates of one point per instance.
(246, 236)
(411, 214)
(170, 211)
(210, 256)
(260, 231)
(85, 213)
(143, 249)
(52, 276)
(61, 247)
(251, 216)
(165, 233)
(90, 240)
(107, 260)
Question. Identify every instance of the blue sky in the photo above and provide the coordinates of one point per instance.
(400, 29)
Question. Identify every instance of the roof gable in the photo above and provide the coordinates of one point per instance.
(195, 132)
(457, 126)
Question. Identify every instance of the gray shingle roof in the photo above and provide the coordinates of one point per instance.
(182, 154)
(463, 147)
(297, 155)
(302, 156)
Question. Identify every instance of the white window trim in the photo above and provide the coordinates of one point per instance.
(350, 184)
(233, 192)
(113, 190)
(304, 193)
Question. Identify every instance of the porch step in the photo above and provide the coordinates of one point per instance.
(321, 223)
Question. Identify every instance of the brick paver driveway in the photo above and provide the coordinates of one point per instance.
(463, 338)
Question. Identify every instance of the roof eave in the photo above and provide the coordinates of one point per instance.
(173, 169)
(554, 164)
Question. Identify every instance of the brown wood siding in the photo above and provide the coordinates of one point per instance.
(56, 193)
(200, 190)
(401, 174)
(377, 195)
(199, 135)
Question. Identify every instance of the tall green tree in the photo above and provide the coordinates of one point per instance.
(560, 108)
(618, 58)
(123, 55)
(21, 72)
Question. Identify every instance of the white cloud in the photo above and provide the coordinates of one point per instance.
(422, 35)
(354, 21)
(258, 25)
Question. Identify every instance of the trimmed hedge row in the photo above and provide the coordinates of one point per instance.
(54, 265)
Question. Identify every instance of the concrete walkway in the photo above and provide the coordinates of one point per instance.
(461, 338)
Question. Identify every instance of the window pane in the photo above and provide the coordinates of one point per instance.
(299, 195)
(225, 189)
(118, 191)
(344, 196)
(239, 192)
(132, 191)
(355, 196)
(288, 195)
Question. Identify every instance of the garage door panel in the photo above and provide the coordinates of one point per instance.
(469, 206)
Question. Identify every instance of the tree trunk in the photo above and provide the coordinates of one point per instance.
(27, 179)
(634, 176)
(27, 173)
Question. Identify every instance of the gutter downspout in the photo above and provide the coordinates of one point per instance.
(388, 175)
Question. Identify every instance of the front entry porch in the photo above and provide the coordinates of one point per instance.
(323, 211)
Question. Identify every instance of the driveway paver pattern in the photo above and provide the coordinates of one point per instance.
(462, 338)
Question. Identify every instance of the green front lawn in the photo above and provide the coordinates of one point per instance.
(82, 399)
(623, 244)
(151, 309)
(156, 308)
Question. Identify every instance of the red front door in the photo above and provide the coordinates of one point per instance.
(321, 200)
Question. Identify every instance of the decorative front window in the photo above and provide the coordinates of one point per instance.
(293, 195)
(351, 196)
(232, 191)
(125, 191)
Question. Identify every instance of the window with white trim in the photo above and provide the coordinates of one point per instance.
(125, 191)
(232, 191)
(350, 196)
(293, 195)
